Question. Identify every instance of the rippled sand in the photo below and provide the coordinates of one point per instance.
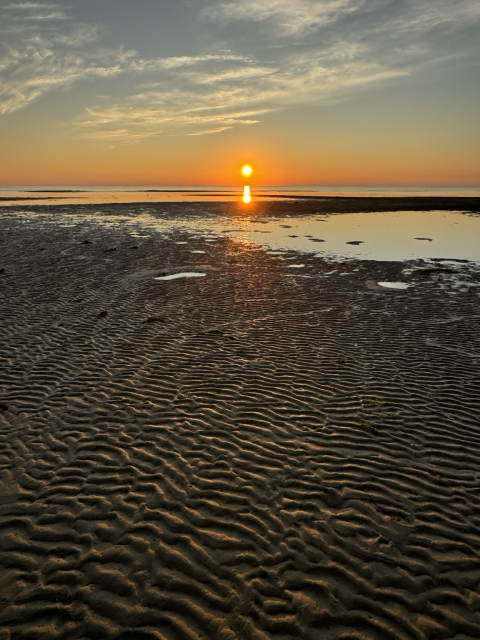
(250, 454)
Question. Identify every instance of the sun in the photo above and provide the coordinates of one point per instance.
(246, 170)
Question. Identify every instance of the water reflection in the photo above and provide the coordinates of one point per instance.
(108, 195)
(386, 236)
(247, 197)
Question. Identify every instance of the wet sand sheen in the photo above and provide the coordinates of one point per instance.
(247, 454)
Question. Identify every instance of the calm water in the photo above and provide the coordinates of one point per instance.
(390, 236)
(393, 235)
(108, 194)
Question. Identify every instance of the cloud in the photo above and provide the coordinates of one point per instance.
(291, 17)
(177, 62)
(281, 52)
(207, 132)
(37, 56)
(221, 101)
(235, 92)
(34, 11)
(20, 6)
(32, 70)
(299, 51)
(53, 15)
(177, 112)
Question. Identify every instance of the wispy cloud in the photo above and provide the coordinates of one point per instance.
(18, 11)
(177, 62)
(286, 52)
(292, 16)
(304, 50)
(52, 15)
(36, 57)
(36, 69)
(289, 17)
(208, 93)
(20, 6)
(207, 132)
(130, 123)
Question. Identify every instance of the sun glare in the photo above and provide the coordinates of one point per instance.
(247, 170)
(246, 195)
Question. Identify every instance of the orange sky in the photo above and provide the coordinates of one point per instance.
(336, 158)
(361, 103)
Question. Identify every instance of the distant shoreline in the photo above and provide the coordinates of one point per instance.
(298, 203)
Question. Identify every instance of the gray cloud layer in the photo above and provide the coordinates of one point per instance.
(279, 52)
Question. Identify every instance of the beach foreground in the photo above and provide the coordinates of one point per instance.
(247, 454)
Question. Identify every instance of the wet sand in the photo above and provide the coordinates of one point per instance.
(270, 202)
(264, 452)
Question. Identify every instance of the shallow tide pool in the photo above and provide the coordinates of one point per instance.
(390, 236)
(386, 236)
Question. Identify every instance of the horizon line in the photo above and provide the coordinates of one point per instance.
(237, 186)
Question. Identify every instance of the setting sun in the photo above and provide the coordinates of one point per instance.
(246, 170)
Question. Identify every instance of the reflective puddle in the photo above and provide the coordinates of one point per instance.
(394, 285)
(185, 274)
(386, 236)
(383, 236)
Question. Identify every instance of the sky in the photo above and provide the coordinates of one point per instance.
(310, 92)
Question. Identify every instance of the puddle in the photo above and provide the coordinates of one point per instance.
(185, 274)
(384, 236)
(447, 236)
(394, 285)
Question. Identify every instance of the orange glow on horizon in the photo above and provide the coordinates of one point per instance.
(56, 161)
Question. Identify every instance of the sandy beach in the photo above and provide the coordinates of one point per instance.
(263, 452)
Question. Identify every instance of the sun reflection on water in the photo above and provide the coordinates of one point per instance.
(247, 197)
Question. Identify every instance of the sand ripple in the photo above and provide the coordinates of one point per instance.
(276, 457)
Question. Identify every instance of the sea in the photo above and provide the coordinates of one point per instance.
(74, 194)
(390, 235)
